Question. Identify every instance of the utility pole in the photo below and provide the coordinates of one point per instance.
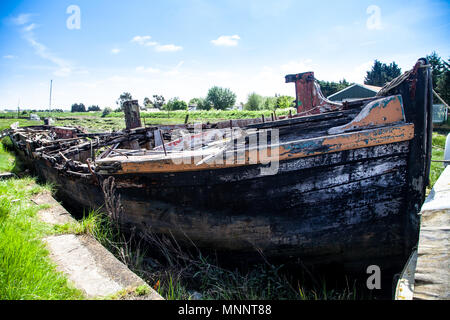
(18, 109)
(50, 103)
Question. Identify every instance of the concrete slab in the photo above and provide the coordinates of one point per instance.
(56, 214)
(86, 263)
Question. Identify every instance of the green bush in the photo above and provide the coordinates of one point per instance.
(106, 112)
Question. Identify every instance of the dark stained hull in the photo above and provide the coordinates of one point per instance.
(347, 208)
(354, 207)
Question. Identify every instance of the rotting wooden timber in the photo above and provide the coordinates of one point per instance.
(347, 187)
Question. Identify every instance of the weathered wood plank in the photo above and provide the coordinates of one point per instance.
(291, 150)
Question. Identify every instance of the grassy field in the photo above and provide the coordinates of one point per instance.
(437, 154)
(94, 122)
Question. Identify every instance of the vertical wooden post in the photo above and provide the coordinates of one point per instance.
(307, 97)
(162, 139)
(132, 114)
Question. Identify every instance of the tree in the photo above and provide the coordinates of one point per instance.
(201, 104)
(284, 102)
(382, 73)
(254, 102)
(78, 107)
(126, 96)
(437, 67)
(270, 103)
(196, 101)
(106, 111)
(220, 98)
(176, 104)
(147, 102)
(94, 108)
(158, 101)
(329, 88)
(443, 83)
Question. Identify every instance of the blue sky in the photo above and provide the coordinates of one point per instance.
(182, 48)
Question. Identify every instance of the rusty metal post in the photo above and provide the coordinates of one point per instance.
(132, 114)
(307, 97)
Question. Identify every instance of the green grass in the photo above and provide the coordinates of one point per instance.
(115, 120)
(7, 160)
(437, 154)
(259, 282)
(87, 225)
(6, 123)
(26, 272)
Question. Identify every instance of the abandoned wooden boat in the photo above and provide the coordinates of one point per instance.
(343, 184)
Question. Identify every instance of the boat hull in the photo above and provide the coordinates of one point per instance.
(346, 207)
(345, 193)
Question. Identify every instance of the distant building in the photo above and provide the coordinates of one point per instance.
(152, 110)
(34, 117)
(440, 113)
(356, 91)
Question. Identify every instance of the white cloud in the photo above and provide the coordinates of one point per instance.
(141, 39)
(297, 66)
(63, 67)
(142, 69)
(150, 43)
(144, 41)
(115, 51)
(226, 41)
(175, 71)
(358, 73)
(31, 27)
(168, 48)
(22, 19)
(9, 56)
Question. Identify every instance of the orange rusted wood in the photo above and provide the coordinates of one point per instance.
(377, 113)
(310, 100)
(291, 150)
